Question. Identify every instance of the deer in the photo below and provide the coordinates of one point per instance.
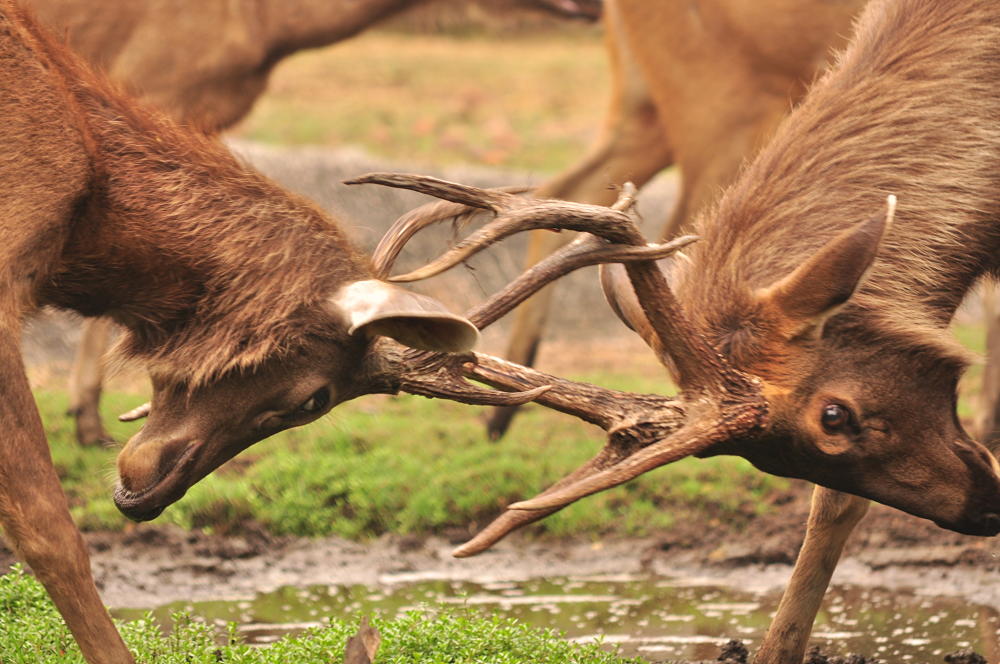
(221, 57)
(248, 305)
(698, 85)
(807, 330)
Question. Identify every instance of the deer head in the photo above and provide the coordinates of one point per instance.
(191, 431)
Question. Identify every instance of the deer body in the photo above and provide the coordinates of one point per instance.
(698, 85)
(252, 310)
(847, 332)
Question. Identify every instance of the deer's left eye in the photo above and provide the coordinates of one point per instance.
(836, 418)
(315, 403)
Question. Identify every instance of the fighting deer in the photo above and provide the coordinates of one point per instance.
(249, 306)
(697, 85)
(807, 329)
(221, 56)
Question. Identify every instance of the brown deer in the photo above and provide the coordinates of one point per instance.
(697, 85)
(249, 306)
(206, 64)
(808, 328)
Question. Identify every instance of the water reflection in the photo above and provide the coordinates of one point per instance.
(657, 619)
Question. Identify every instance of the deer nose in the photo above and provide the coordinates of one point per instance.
(141, 464)
(991, 524)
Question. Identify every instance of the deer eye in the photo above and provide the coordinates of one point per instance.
(315, 403)
(836, 418)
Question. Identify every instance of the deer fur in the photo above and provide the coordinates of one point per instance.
(220, 54)
(223, 281)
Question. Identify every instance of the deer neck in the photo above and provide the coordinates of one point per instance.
(909, 110)
(292, 25)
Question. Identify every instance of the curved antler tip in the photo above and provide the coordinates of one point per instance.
(369, 178)
(530, 505)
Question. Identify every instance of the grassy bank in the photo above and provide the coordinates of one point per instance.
(531, 102)
(412, 465)
(31, 632)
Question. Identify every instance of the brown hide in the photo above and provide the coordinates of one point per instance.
(206, 63)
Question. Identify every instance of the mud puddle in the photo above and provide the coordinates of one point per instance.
(656, 618)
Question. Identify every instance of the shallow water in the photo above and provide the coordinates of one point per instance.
(658, 619)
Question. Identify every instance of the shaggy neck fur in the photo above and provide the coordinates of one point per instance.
(209, 265)
(912, 109)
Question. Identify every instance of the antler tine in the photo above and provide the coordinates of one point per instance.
(408, 225)
(621, 459)
(511, 519)
(584, 251)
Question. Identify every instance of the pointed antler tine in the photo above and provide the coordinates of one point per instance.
(584, 251)
(656, 455)
(499, 528)
(485, 199)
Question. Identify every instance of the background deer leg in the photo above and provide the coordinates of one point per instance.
(86, 379)
(832, 518)
(989, 405)
(35, 517)
(632, 148)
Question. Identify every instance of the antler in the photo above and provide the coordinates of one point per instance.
(614, 236)
(717, 403)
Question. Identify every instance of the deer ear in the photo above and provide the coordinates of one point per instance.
(418, 321)
(817, 288)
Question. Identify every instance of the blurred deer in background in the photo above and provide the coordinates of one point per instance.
(808, 329)
(248, 305)
(206, 64)
(699, 85)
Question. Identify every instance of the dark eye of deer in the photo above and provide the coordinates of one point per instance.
(317, 402)
(835, 418)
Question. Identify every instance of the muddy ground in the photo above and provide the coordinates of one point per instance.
(152, 565)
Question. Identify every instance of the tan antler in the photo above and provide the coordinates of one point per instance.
(717, 403)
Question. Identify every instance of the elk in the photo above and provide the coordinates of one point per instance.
(249, 306)
(807, 329)
(221, 56)
(697, 85)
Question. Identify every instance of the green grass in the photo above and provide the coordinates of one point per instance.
(31, 632)
(412, 465)
(531, 102)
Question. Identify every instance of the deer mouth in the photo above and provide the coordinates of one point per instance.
(168, 488)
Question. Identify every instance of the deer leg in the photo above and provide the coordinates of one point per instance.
(35, 517)
(832, 518)
(85, 382)
(632, 148)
